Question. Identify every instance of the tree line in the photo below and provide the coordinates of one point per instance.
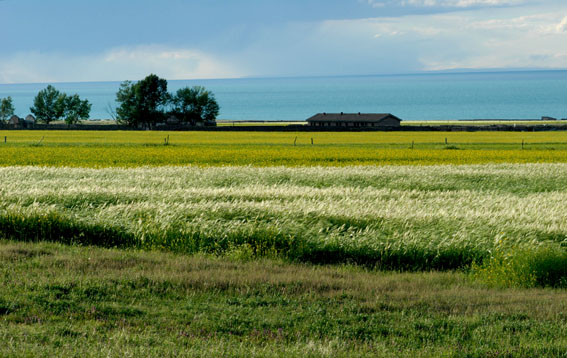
(147, 102)
(50, 105)
(141, 104)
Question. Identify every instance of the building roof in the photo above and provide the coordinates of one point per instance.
(351, 117)
(15, 119)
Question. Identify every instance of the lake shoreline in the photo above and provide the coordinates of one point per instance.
(264, 127)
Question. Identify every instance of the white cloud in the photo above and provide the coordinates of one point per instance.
(496, 38)
(543, 24)
(116, 64)
(445, 3)
(462, 3)
(511, 37)
(562, 27)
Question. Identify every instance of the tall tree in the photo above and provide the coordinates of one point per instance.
(127, 112)
(48, 105)
(153, 95)
(6, 109)
(142, 103)
(194, 104)
(76, 109)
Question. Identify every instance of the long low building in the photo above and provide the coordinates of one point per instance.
(354, 120)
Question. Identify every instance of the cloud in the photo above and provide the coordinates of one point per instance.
(461, 3)
(479, 39)
(511, 42)
(509, 37)
(539, 24)
(562, 27)
(115, 64)
(445, 3)
(515, 38)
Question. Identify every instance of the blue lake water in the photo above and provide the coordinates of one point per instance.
(498, 95)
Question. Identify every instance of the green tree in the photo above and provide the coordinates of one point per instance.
(127, 112)
(48, 105)
(6, 109)
(142, 103)
(192, 104)
(75, 109)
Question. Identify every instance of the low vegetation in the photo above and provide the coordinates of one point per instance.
(401, 218)
(283, 244)
(513, 265)
(139, 148)
(69, 301)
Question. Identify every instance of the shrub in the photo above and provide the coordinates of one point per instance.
(512, 265)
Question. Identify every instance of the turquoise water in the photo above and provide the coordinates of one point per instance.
(499, 95)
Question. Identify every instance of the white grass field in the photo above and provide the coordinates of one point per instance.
(402, 217)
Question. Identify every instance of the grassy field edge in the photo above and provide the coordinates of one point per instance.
(70, 300)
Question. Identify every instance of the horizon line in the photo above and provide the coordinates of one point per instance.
(460, 71)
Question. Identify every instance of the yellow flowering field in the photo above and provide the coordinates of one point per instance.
(141, 148)
(284, 138)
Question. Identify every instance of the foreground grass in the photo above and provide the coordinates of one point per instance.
(135, 148)
(60, 300)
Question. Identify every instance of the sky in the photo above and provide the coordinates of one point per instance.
(117, 40)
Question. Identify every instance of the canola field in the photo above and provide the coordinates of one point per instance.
(99, 149)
